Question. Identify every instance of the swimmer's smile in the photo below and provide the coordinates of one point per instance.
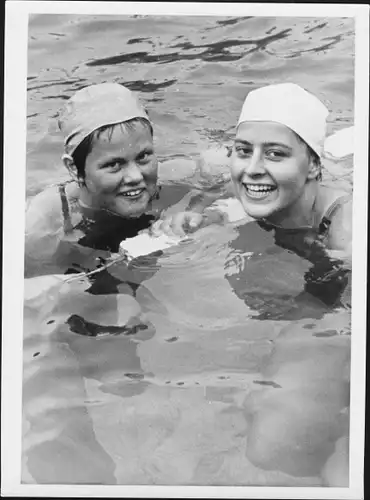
(259, 191)
(133, 194)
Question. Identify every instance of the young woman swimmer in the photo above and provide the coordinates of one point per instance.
(113, 192)
(276, 168)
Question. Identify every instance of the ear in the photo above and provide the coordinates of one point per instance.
(314, 169)
(70, 166)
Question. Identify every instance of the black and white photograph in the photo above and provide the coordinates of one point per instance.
(185, 248)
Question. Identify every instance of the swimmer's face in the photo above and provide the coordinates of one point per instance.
(121, 171)
(270, 167)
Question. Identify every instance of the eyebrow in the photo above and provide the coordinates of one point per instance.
(115, 159)
(120, 159)
(265, 144)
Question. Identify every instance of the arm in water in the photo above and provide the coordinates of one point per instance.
(211, 183)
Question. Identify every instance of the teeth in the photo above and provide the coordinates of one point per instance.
(132, 193)
(259, 191)
(254, 187)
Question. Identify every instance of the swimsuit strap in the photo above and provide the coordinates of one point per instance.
(67, 223)
(326, 220)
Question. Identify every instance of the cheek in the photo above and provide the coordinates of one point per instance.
(290, 178)
(101, 181)
(150, 173)
(290, 172)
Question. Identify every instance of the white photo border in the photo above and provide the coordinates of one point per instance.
(15, 104)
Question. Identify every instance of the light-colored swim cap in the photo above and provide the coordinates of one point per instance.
(292, 106)
(97, 106)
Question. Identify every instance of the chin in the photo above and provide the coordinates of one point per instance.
(132, 210)
(256, 212)
(132, 214)
(259, 210)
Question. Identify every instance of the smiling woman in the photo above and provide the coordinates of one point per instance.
(268, 174)
(117, 168)
(276, 167)
(113, 192)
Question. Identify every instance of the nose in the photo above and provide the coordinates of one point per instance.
(255, 165)
(132, 174)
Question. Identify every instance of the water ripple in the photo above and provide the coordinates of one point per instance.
(148, 86)
(215, 52)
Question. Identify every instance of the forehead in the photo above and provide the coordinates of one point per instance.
(122, 137)
(267, 132)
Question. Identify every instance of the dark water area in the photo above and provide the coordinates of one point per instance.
(217, 361)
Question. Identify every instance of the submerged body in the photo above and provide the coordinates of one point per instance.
(275, 168)
(199, 391)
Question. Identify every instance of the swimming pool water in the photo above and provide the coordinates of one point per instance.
(209, 364)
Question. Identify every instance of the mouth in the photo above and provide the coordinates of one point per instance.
(133, 194)
(259, 191)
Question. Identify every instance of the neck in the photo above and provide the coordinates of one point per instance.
(299, 214)
(91, 211)
(86, 199)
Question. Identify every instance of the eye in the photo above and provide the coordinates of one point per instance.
(276, 154)
(144, 156)
(113, 167)
(243, 151)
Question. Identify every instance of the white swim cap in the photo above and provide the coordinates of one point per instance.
(292, 106)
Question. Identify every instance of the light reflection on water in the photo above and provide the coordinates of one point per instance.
(200, 381)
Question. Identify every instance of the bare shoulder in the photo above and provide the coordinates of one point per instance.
(340, 231)
(49, 196)
(44, 210)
